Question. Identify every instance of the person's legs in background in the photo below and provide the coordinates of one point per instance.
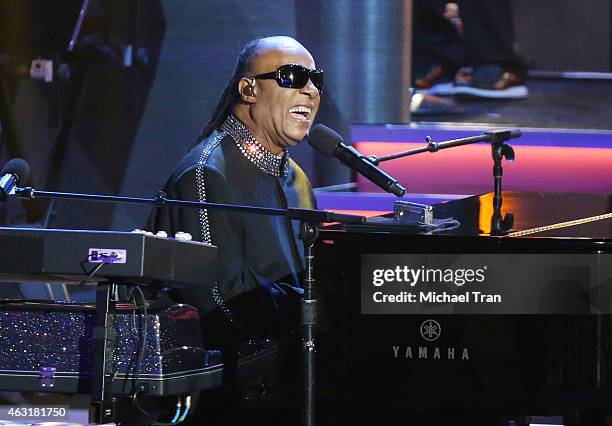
(497, 68)
(437, 45)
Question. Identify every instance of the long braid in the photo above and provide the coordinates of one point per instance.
(230, 96)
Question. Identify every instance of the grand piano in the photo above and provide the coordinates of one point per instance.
(439, 365)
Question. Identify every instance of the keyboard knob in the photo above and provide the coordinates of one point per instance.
(183, 236)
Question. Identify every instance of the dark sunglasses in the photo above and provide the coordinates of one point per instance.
(294, 76)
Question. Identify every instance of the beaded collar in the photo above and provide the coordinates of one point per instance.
(253, 150)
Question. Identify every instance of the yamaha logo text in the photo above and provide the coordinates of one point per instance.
(430, 331)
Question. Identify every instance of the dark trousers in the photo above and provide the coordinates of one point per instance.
(488, 33)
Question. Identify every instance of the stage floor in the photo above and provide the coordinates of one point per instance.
(552, 103)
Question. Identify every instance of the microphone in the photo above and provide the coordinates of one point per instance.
(329, 143)
(13, 172)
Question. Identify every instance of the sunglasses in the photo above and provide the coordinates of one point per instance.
(294, 76)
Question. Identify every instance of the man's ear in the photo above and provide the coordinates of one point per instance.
(247, 90)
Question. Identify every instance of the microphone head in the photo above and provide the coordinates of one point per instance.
(17, 167)
(324, 139)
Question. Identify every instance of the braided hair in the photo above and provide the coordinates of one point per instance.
(230, 96)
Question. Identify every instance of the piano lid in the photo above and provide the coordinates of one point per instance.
(561, 214)
(522, 214)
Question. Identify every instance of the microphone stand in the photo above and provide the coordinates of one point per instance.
(499, 150)
(102, 408)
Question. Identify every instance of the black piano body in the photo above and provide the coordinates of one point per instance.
(479, 368)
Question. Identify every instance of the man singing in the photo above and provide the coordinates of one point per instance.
(241, 157)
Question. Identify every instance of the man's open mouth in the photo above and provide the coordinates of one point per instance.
(301, 113)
